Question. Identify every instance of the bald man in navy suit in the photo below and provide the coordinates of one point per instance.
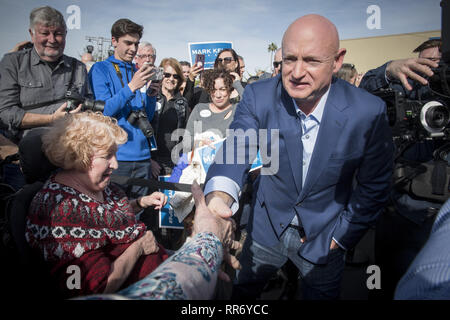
(332, 177)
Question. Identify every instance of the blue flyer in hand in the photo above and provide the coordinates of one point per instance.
(167, 217)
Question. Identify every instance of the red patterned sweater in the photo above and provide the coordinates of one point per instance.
(70, 228)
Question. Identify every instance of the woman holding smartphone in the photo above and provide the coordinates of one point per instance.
(228, 60)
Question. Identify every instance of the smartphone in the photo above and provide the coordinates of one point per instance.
(158, 74)
(200, 60)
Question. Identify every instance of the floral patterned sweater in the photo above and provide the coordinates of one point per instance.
(189, 274)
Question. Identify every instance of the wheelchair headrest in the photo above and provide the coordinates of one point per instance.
(35, 165)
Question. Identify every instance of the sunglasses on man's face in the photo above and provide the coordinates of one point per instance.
(276, 64)
(225, 60)
(174, 75)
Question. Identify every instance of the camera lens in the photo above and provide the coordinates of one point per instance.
(434, 116)
(93, 105)
(437, 117)
(88, 104)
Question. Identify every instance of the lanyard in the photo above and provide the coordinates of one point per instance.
(119, 75)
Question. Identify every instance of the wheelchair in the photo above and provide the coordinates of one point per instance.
(24, 272)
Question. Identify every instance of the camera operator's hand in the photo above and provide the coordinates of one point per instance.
(61, 111)
(140, 78)
(412, 68)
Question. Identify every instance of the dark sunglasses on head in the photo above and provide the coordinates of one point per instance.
(168, 75)
(276, 64)
(225, 60)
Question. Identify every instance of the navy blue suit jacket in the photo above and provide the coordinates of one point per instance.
(349, 174)
(428, 276)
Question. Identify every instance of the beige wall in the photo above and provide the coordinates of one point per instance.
(369, 53)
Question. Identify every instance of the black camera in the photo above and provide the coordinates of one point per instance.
(139, 118)
(73, 99)
(415, 119)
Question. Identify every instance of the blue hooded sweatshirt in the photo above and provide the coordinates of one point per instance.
(119, 101)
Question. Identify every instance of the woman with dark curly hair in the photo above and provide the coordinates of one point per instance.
(217, 115)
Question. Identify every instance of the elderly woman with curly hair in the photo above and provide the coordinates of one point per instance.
(79, 219)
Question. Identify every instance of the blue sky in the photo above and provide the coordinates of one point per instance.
(250, 24)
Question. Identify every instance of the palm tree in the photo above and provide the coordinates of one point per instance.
(272, 48)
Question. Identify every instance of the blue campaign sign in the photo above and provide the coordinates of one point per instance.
(167, 217)
(210, 49)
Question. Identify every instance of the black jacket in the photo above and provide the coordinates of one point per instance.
(169, 116)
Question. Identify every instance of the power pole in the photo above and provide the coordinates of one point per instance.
(99, 41)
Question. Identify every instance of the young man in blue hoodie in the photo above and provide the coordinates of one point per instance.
(123, 88)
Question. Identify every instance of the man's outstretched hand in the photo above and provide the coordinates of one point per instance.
(218, 221)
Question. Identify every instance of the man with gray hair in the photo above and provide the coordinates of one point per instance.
(35, 80)
(146, 53)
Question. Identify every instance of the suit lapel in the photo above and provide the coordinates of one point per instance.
(333, 121)
(291, 132)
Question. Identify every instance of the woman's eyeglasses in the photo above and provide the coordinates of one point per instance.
(174, 75)
(225, 60)
(276, 64)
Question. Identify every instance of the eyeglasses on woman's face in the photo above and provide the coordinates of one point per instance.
(167, 75)
(225, 60)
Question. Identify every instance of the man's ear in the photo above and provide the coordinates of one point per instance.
(114, 41)
(31, 34)
(339, 59)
